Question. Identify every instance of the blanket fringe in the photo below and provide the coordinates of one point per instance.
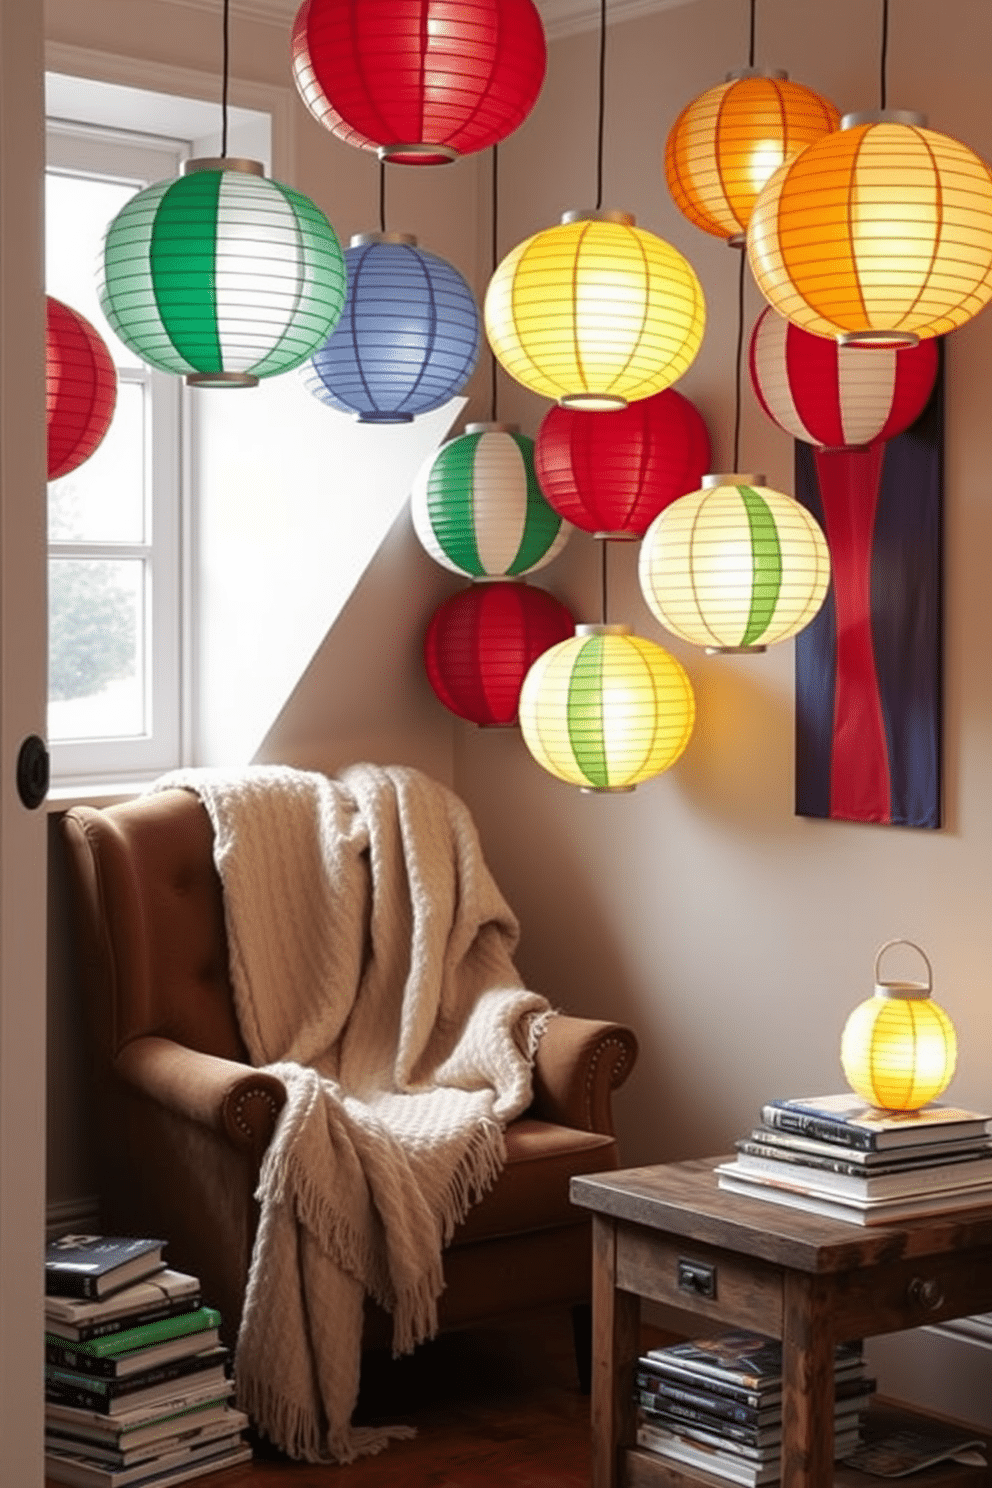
(297, 1432)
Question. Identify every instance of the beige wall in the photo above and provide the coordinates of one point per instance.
(731, 934)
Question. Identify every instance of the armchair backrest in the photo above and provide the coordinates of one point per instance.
(151, 921)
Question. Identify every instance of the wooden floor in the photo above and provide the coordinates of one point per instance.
(495, 1408)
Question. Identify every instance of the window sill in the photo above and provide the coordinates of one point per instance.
(62, 797)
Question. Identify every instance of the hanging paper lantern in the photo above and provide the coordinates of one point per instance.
(481, 642)
(222, 275)
(878, 234)
(477, 507)
(421, 81)
(899, 1048)
(80, 387)
(833, 396)
(734, 566)
(408, 339)
(595, 313)
(606, 710)
(612, 473)
(726, 143)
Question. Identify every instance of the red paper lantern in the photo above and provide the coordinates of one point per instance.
(612, 473)
(421, 81)
(837, 397)
(80, 387)
(481, 643)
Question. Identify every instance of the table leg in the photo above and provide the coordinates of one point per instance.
(616, 1318)
(807, 1385)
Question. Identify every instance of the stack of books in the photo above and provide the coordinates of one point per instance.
(836, 1156)
(716, 1404)
(136, 1380)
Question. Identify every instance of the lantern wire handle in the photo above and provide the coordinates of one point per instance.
(885, 49)
(750, 51)
(602, 104)
(605, 570)
(382, 196)
(494, 215)
(740, 361)
(225, 67)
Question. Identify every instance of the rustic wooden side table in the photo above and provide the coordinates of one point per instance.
(669, 1234)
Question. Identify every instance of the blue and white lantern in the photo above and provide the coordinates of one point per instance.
(408, 340)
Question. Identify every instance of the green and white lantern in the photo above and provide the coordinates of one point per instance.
(477, 507)
(734, 566)
(221, 275)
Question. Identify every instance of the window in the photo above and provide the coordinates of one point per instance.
(114, 523)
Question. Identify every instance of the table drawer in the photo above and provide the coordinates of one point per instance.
(738, 1290)
(909, 1294)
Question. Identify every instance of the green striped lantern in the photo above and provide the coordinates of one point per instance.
(222, 275)
(477, 507)
(734, 566)
(606, 709)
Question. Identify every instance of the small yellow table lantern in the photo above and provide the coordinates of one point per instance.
(899, 1048)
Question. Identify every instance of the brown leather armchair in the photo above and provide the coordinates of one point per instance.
(184, 1119)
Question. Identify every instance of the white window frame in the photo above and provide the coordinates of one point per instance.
(112, 154)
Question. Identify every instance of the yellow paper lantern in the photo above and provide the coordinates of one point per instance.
(595, 313)
(725, 144)
(606, 710)
(880, 233)
(899, 1048)
(734, 566)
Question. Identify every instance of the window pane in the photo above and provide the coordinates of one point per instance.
(77, 212)
(96, 648)
(103, 500)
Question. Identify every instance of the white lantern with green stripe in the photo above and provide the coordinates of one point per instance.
(734, 566)
(606, 709)
(477, 507)
(222, 275)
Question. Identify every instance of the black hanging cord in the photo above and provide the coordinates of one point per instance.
(750, 50)
(605, 544)
(740, 361)
(494, 217)
(382, 196)
(226, 67)
(885, 50)
(602, 104)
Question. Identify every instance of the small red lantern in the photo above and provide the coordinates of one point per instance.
(80, 387)
(612, 473)
(481, 643)
(837, 397)
(421, 81)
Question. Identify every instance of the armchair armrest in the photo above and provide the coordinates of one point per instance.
(578, 1065)
(231, 1099)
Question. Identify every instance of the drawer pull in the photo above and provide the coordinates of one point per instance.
(926, 1294)
(697, 1277)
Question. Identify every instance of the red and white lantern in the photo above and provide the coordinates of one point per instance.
(837, 397)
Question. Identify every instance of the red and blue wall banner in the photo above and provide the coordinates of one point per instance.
(869, 667)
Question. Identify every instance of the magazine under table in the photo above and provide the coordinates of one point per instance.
(668, 1234)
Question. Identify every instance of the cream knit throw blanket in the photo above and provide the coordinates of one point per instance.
(371, 962)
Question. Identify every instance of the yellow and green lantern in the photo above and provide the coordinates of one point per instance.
(222, 276)
(734, 566)
(606, 709)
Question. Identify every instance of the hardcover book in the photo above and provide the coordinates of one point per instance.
(848, 1210)
(851, 1122)
(867, 1161)
(119, 1363)
(188, 1406)
(836, 1177)
(160, 1295)
(113, 1396)
(92, 1265)
(223, 1421)
(737, 1469)
(741, 1357)
(177, 1467)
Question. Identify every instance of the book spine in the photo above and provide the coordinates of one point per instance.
(103, 1328)
(176, 1326)
(675, 1416)
(725, 1389)
(715, 1405)
(69, 1388)
(71, 1284)
(806, 1124)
